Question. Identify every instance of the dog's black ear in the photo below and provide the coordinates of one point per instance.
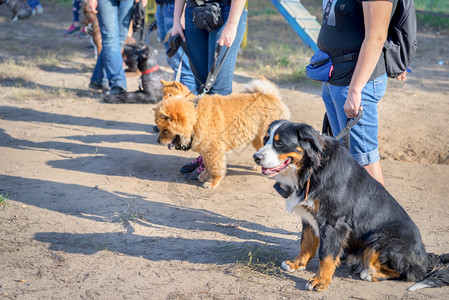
(311, 142)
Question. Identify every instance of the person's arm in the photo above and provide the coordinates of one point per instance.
(376, 19)
(144, 2)
(92, 6)
(177, 14)
(230, 30)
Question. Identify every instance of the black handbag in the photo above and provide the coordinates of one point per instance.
(207, 16)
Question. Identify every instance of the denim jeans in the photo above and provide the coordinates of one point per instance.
(202, 45)
(363, 136)
(164, 19)
(114, 18)
(76, 6)
(33, 3)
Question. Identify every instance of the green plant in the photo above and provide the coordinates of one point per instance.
(260, 259)
(3, 200)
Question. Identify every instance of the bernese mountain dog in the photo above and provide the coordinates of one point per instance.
(346, 214)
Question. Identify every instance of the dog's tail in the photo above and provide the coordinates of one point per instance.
(263, 86)
(437, 272)
(268, 88)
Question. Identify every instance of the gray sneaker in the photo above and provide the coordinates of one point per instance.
(193, 177)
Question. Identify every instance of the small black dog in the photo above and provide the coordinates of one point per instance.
(19, 9)
(346, 214)
(151, 90)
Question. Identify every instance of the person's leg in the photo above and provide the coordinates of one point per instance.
(76, 11)
(371, 95)
(363, 136)
(110, 62)
(197, 43)
(375, 171)
(32, 3)
(331, 108)
(223, 84)
(35, 6)
(75, 26)
(125, 11)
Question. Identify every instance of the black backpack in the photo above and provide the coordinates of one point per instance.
(400, 46)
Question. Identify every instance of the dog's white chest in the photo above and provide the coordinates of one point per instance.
(296, 205)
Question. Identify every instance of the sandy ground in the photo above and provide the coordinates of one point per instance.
(98, 210)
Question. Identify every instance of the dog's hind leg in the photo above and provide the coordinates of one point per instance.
(309, 245)
(374, 269)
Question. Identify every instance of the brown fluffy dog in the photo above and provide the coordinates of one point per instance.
(92, 28)
(172, 88)
(218, 124)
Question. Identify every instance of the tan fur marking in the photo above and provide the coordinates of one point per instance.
(296, 156)
(309, 245)
(325, 272)
(276, 137)
(377, 270)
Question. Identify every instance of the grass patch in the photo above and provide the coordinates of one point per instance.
(3, 201)
(260, 259)
(129, 215)
(13, 73)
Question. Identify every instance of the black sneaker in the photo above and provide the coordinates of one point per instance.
(190, 167)
(195, 174)
(95, 86)
(115, 95)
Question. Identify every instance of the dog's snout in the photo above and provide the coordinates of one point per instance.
(258, 157)
(158, 140)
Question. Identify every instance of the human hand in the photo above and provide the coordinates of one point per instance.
(352, 104)
(144, 2)
(228, 34)
(177, 29)
(92, 6)
(403, 76)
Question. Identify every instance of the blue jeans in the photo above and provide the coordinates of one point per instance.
(363, 136)
(76, 6)
(33, 3)
(164, 19)
(202, 45)
(114, 18)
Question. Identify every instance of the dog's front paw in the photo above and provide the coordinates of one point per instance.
(209, 185)
(291, 266)
(366, 275)
(213, 182)
(203, 177)
(317, 284)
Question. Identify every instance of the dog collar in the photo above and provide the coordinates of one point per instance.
(185, 148)
(285, 191)
(155, 68)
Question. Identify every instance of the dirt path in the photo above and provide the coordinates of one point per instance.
(97, 209)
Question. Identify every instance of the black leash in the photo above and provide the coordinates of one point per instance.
(213, 73)
(215, 69)
(151, 28)
(349, 124)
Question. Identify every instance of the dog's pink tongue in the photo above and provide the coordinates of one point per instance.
(267, 171)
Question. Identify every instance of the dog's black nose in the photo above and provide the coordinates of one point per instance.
(258, 157)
